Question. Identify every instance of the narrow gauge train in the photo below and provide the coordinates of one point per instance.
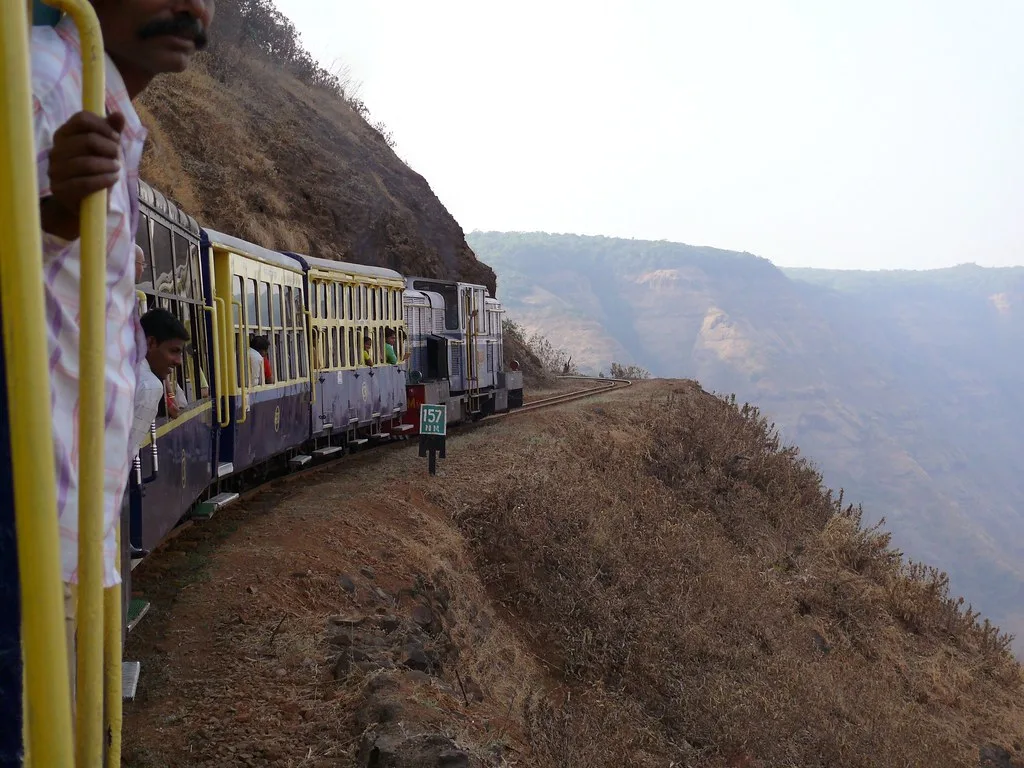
(320, 400)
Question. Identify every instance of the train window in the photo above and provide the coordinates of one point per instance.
(201, 349)
(197, 275)
(332, 289)
(188, 361)
(280, 372)
(300, 353)
(251, 318)
(352, 360)
(322, 298)
(373, 303)
(236, 290)
(348, 303)
(163, 259)
(275, 305)
(289, 355)
(264, 306)
(182, 278)
(289, 313)
(334, 347)
(142, 240)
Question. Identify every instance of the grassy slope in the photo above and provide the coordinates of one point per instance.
(641, 580)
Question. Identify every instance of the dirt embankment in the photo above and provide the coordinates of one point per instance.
(642, 579)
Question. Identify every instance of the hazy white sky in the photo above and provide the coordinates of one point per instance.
(826, 133)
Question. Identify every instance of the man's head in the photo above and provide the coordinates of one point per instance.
(389, 337)
(261, 344)
(140, 263)
(165, 340)
(146, 38)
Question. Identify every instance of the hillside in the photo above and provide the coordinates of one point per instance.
(902, 387)
(257, 141)
(646, 579)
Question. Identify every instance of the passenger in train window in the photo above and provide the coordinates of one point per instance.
(140, 263)
(390, 355)
(259, 349)
(79, 153)
(166, 338)
(367, 351)
(389, 348)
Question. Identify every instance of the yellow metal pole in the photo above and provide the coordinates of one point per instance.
(48, 698)
(92, 377)
(112, 658)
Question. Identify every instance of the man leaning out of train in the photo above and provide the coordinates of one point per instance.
(79, 153)
(166, 337)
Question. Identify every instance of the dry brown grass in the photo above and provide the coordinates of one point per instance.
(644, 579)
(701, 599)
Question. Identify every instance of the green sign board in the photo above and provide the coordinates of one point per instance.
(433, 420)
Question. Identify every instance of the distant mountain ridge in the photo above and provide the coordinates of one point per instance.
(903, 386)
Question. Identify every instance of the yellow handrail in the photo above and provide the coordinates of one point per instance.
(48, 711)
(245, 368)
(218, 410)
(225, 360)
(309, 356)
(112, 653)
(91, 410)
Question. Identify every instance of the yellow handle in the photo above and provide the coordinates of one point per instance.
(312, 367)
(48, 710)
(225, 359)
(246, 374)
(112, 653)
(218, 381)
(91, 410)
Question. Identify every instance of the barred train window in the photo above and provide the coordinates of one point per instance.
(300, 339)
(163, 260)
(278, 334)
(182, 277)
(142, 239)
(236, 291)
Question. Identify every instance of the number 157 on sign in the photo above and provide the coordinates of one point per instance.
(433, 419)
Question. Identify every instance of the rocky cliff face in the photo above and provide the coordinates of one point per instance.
(251, 150)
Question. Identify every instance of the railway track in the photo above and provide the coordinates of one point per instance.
(377, 452)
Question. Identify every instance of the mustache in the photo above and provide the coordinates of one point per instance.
(180, 25)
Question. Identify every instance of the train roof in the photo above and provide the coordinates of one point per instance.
(153, 198)
(251, 250)
(410, 282)
(345, 267)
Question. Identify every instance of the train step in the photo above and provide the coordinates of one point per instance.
(359, 441)
(137, 609)
(401, 429)
(130, 672)
(206, 509)
(299, 461)
(224, 469)
(326, 426)
(330, 450)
